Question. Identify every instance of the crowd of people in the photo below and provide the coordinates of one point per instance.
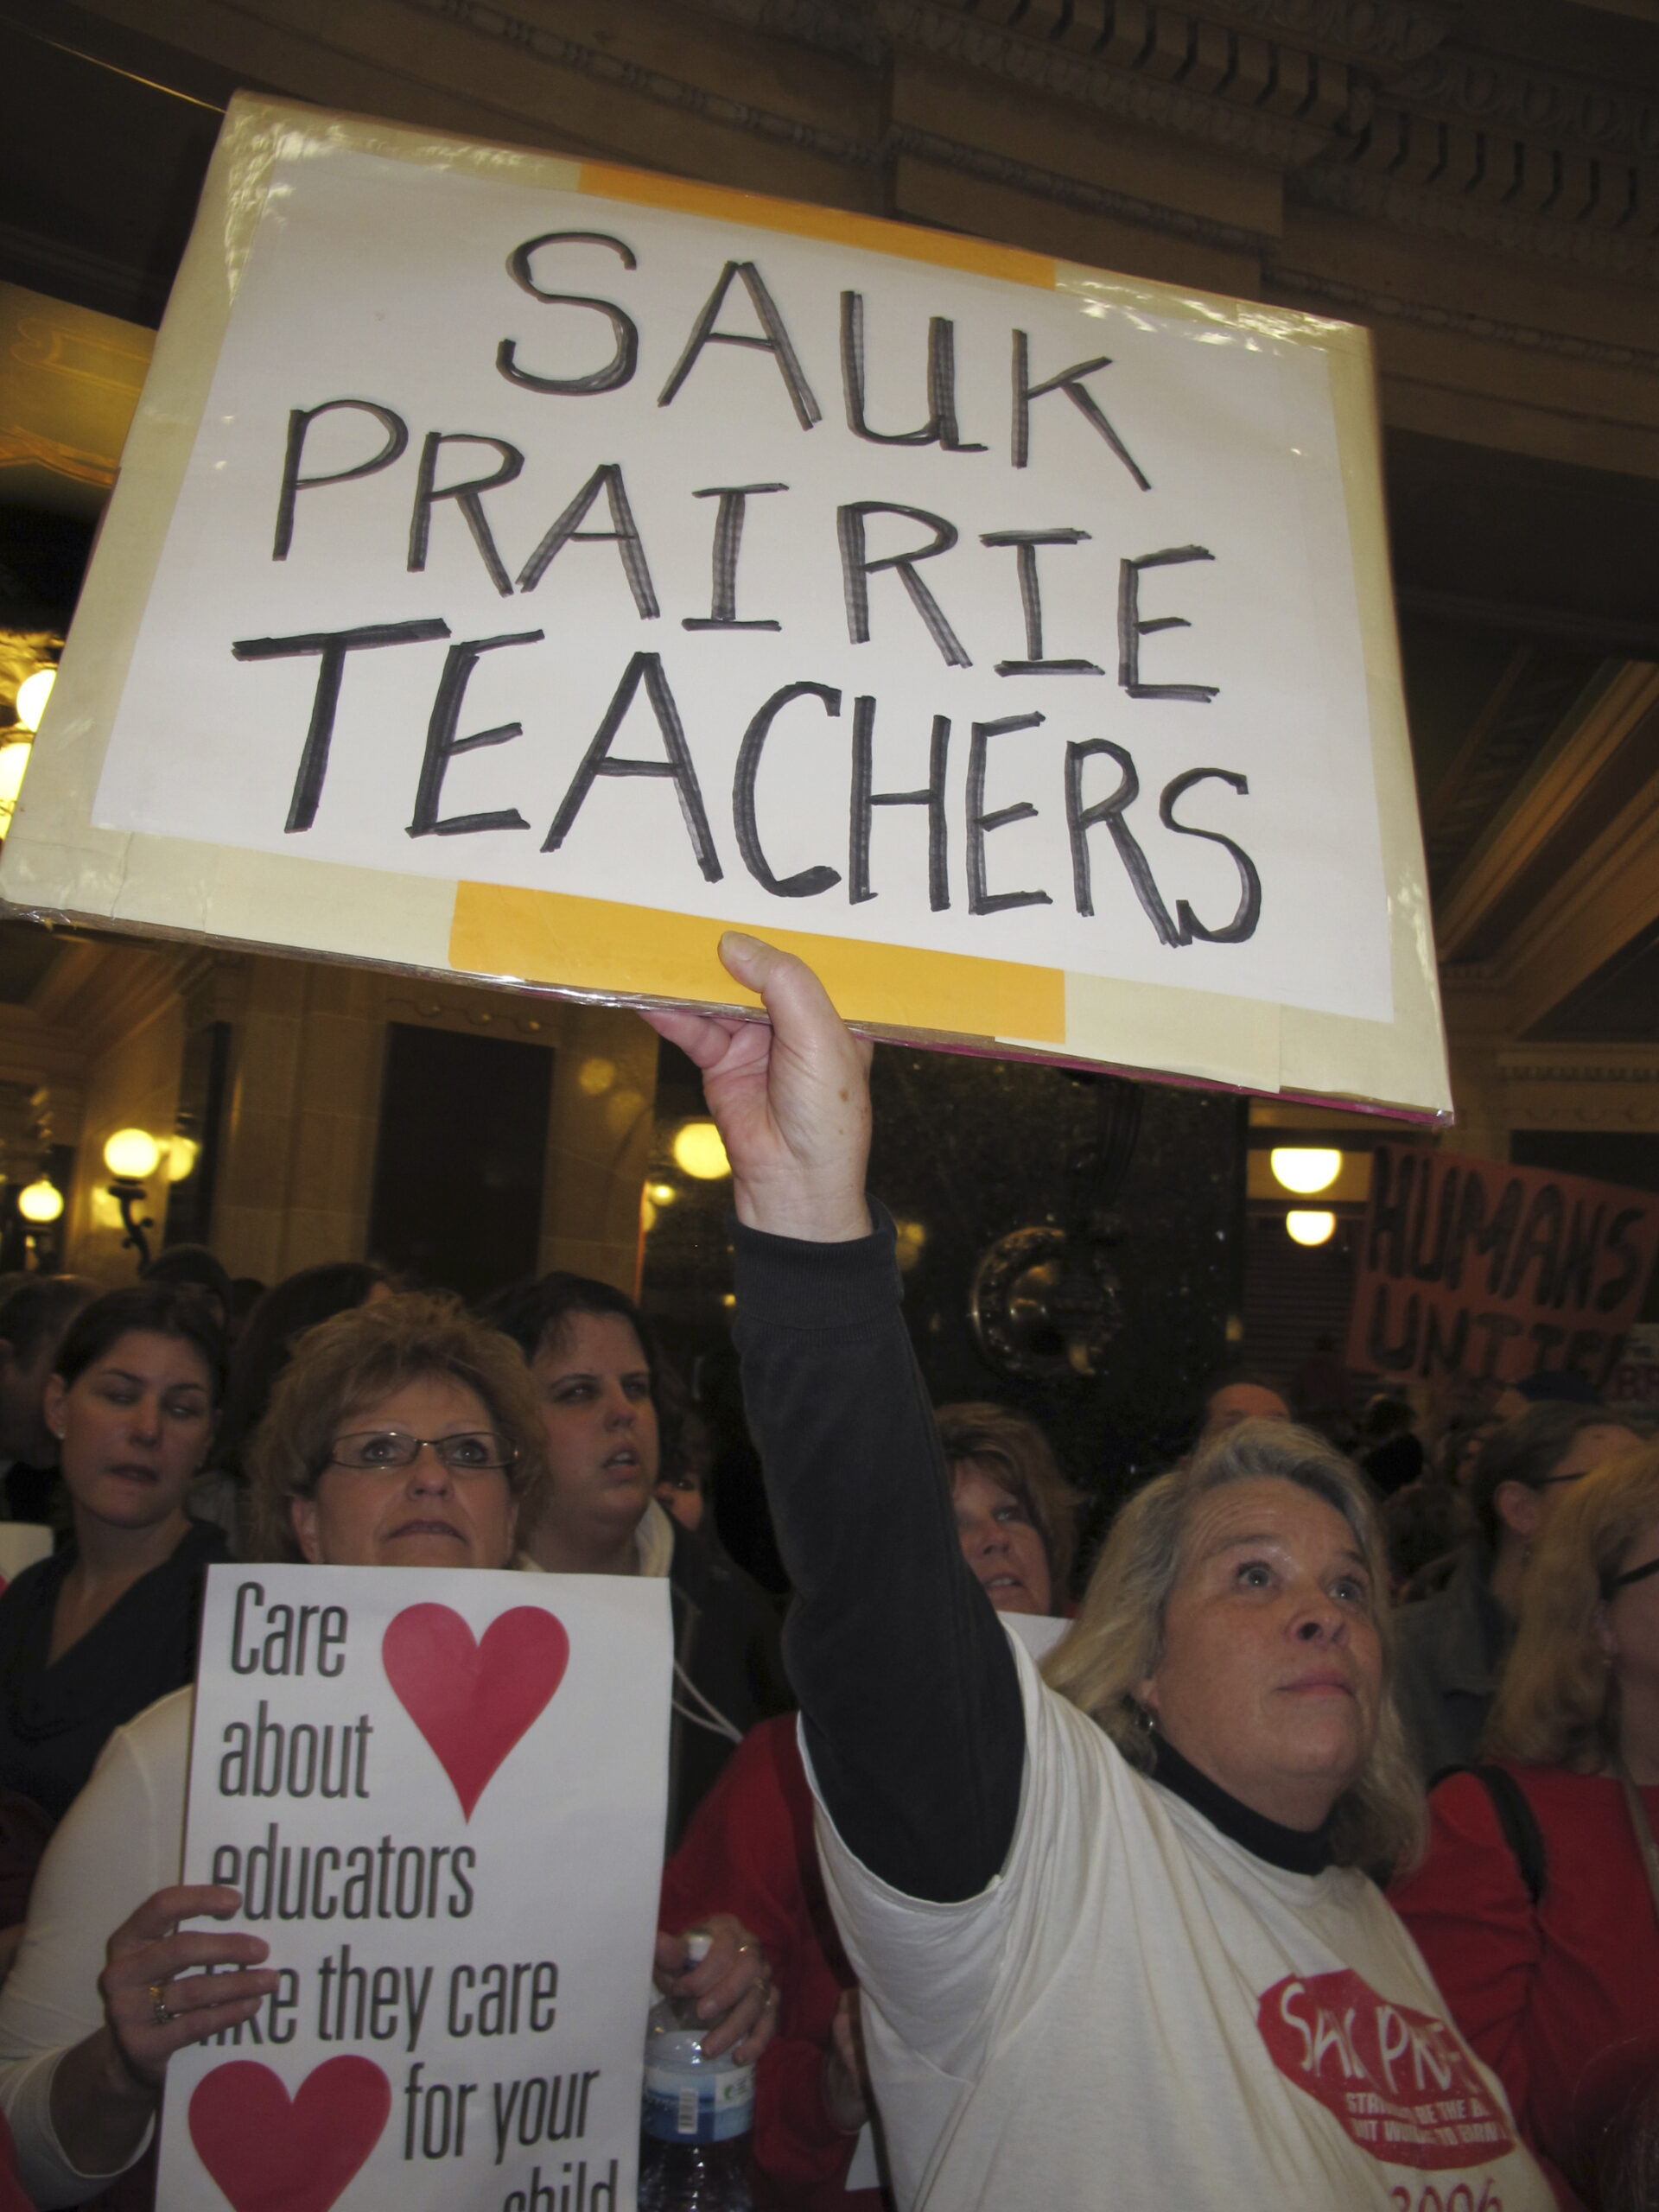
(1024, 1887)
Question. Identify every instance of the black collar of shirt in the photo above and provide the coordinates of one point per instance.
(1298, 1851)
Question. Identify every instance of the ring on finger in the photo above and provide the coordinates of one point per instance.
(158, 2006)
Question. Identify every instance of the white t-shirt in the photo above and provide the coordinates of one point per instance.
(1140, 2015)
(121, 1841)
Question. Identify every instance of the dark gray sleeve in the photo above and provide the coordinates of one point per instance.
(910, 1694)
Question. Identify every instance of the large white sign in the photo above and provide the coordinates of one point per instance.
(441, 1795)
(592, 549)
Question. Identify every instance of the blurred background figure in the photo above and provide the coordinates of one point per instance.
(193, 1266)
(1016, 1515)
(1451, 1645)
(267, 1343)
(91, 1635)
(1389, 1447)
(1242, 1394)
(33, 1318)
(611, 1414)
(1537, 1906)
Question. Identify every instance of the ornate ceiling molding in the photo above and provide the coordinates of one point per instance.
(1533, 104)
(1073, 192)
(1227, 118)
(1438, 209)
(1365, 304)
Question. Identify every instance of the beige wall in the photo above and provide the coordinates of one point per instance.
(133, 1084)
(302, 1102)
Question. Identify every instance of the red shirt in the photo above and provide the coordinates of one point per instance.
(1561, 2000)
(749, 1851)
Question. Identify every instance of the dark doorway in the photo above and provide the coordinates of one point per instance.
(458, 1172)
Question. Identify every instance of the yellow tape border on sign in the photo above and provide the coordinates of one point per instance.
(591, 944)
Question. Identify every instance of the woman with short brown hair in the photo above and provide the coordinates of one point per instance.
(1534, 1906)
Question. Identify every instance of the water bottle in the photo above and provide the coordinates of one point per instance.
(698, 2115)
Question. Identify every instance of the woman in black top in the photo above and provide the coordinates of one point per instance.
(90, 1637)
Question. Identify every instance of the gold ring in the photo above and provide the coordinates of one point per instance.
(158, 2006)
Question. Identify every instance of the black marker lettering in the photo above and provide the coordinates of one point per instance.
(940, 428)
(856, 569)
(1131, 629)
(620, 367)
(776, 341)
(468, 497)
(646, 668)
(1248, 914)
(1024, 543)
(980, 901)
(333, 646)
(443, 744)
(622, 533)
(299, 422)
(729, 536)
(1613, 1293)
(811, 880)
(1080, 819)
(1070, 381)
(866, 797)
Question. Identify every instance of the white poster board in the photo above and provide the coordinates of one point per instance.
(442, 1796)
(531, 567)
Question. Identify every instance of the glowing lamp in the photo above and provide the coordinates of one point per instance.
(1311, 1227)
(699, 1152)
(1304, 1168)
(183, 1154)
(131, 1156)
(32, 696)
(39, 1202)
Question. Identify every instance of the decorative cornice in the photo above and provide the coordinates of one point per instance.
(493, 24)
(1421, 207)
(1576, 1072)
(1073, 192)
(1366, 304)
(1533, 103)
(1389, 32)
(1093, 83)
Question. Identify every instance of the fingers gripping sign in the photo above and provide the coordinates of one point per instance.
(791, 1099)
(163, 1986)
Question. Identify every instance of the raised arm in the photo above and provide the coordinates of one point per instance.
(905, 1679)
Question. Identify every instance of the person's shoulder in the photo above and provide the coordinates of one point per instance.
(26, 1589)
(204, 1543)
(158, 1740)
(706, 1575)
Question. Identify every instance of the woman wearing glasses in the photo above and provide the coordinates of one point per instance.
(1537, 1907)
(404, 1433)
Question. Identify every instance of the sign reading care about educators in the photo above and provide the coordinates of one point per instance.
(442, 1797)
(525, 568)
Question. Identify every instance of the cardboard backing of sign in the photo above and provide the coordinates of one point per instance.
(522, 568)
(1468, 1266)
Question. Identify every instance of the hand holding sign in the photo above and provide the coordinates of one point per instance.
(792, 1102)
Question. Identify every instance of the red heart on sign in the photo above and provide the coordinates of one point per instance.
(269, 2154)
(473, 1702)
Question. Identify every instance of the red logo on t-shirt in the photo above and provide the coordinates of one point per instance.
(1397, 2079)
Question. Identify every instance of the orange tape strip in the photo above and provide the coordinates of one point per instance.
(870, 233)
(589, 944)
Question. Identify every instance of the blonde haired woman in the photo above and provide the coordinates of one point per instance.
(1538, 1905)
(1116, 1946)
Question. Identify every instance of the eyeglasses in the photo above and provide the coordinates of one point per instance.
(371, 1450)
(1633, 1574)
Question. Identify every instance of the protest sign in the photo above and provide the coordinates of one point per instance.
(1633, 1384)
(442, 1795)
(524, 567)
(1468, 1266)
